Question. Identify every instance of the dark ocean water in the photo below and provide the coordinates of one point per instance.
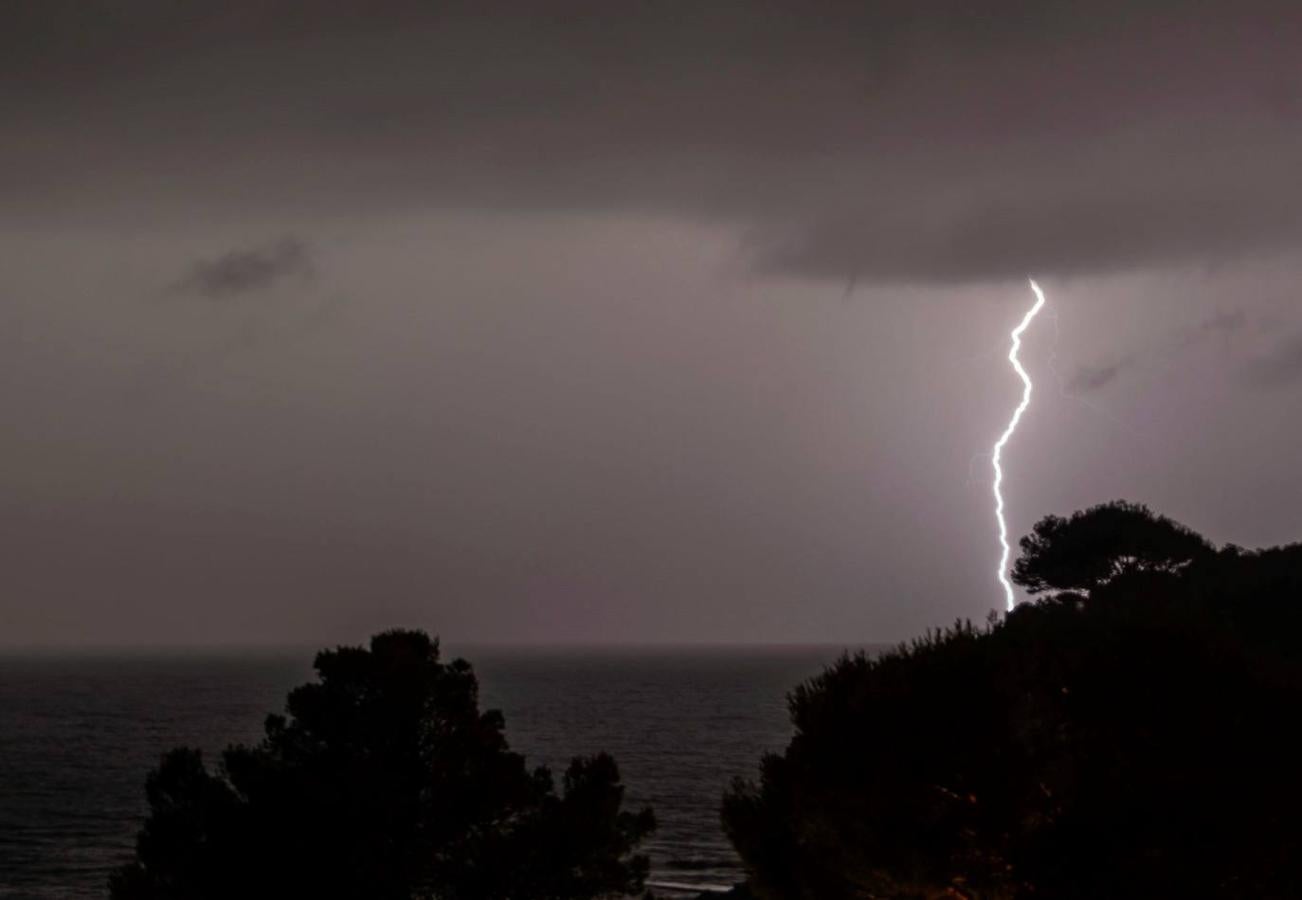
(78, 734)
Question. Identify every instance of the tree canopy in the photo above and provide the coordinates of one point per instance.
(1137, 745)
(1092, 547)
(384, 781)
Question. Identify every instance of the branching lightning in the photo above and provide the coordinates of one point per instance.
(1016, 336)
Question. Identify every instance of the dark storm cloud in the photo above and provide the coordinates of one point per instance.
(247, 271)
(1279, 367)
(886, 141)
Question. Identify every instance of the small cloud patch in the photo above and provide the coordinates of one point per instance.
(242, 272)
(1092, 378)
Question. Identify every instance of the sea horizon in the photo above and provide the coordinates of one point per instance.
(447, 648)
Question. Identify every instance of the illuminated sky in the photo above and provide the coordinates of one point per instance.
(624, 321)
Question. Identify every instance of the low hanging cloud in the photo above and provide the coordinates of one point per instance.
(885, 140)
(247, 271)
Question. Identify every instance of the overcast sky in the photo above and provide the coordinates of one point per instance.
(625, 321)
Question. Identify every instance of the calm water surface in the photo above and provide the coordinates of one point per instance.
(78, 734)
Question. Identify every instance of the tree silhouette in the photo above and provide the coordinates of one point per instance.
(1138, 745)
(384, 780)
(1093, 547)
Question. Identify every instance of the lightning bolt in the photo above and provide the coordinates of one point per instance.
(1016, 337)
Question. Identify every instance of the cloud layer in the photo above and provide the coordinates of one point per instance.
(885, 141)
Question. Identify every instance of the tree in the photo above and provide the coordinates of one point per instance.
(1097, 545)
(384, 780)
(895, 784)
(1137, 745)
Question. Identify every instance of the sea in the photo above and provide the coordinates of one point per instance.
(79, 732)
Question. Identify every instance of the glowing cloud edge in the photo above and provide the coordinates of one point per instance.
(995, 457)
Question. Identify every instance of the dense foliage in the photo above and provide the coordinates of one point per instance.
(385, 781)
(1090, 548)
(1131, 736)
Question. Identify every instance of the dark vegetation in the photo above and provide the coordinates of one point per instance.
(1131, 734)
(384, 782)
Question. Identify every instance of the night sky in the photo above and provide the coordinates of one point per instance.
(625, 321)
